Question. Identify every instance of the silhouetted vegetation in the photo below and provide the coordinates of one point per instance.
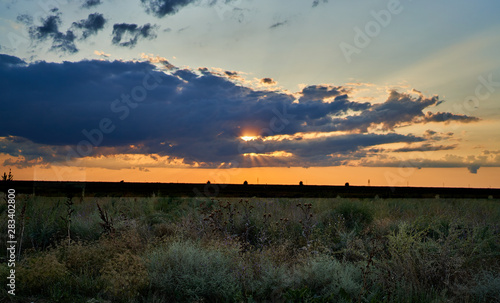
(130, 189)
(8, 177)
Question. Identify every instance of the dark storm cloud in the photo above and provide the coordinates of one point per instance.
(399, 109)
(160, 8)
(91, 3)
(343, 144)
(7, 61)
(127, 35)
(91, 25)
(195, 115)
(49, 30)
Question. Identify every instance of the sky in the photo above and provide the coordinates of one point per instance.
(380, 93)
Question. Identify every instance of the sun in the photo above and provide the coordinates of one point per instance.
(247, 138)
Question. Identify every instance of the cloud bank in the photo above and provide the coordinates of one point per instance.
(198, 116)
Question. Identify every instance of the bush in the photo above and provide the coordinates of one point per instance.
(328, 278)
(261, 278)
(185, 271)
(86, 226)
(124, 276)
(425, 263)
(43, 275)
(356, 215)
(487, 287)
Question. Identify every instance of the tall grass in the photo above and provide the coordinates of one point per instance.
(164, 249)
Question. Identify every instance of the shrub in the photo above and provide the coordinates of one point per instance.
(43, 275)
(261, 278)
(173, 207)
(85, 226)
(425, 263)
(328, 278)
(185, 271)
(356, 215)
(84, 259)
(487, 288)
(124, 276)
(42, 225)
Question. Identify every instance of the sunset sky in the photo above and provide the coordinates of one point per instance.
(320, 91)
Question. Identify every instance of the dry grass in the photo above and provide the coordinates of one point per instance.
(257, 250)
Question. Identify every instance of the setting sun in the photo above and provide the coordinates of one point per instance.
(247, 138)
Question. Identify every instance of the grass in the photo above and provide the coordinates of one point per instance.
(165, 249)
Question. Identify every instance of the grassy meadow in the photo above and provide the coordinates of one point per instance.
(163, 249)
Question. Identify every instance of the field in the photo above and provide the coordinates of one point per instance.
(188, 249)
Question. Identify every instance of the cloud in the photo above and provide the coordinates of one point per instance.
(471, 162)
(316, 2)
(278, 24)
(7, 61)
(447, 117)
(425, 147)
(91, 3)
(49, 30)
(127, 35)
(101, 54)
(161, 8)
(320, 92)
(398, 110)
(473, 168)
(91, 25)
(25, 19)
(267, 81)
(64, 42)
(192, 115)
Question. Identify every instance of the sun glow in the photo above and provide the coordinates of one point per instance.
(247, 138)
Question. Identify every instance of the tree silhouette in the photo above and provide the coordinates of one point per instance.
(301, 183)
(245, 183)
(208, 182)
(347, 184)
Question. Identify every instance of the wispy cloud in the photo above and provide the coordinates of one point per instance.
(91, 25)
(161, 8)
(127, 35)
(91, 3)
(49, 30)
(63, 42)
